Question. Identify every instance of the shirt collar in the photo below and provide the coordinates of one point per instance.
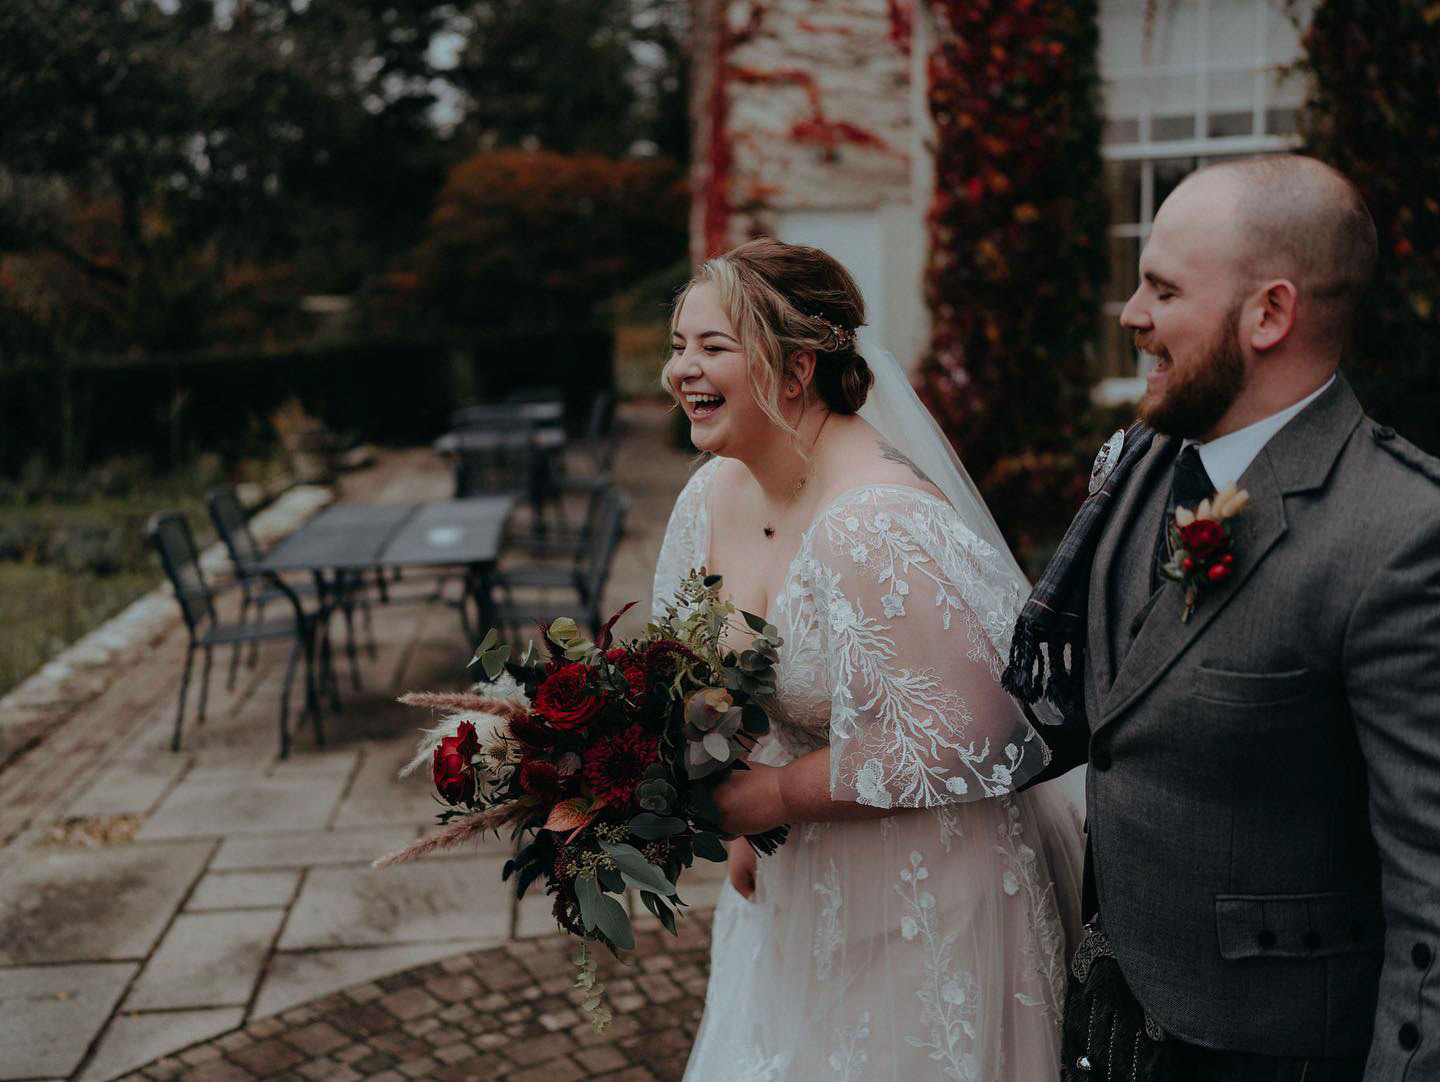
(1229, 456)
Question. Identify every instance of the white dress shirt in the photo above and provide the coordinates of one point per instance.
(1226, 458)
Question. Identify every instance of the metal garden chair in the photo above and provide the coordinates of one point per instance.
(170, 534)
(232, 523)
(584, 580)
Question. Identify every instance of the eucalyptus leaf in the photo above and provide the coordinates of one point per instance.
(660, 909)
(718, 746)
(587, 892)
(636, 870)
(611, 880)
(754, 720)
(709, 847)
(493, 661)
(614, 923)
(756, 623)
(653, 827)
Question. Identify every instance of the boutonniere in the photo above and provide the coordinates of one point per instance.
(1200, 555)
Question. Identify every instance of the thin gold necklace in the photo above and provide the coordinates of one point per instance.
(804, 477)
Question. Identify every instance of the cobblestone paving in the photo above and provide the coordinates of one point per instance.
(507, 1014)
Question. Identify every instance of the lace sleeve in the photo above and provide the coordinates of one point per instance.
(687, 535)
(915, 613)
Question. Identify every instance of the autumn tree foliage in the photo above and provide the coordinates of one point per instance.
(523, 239)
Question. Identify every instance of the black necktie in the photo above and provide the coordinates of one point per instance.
(1189, 484)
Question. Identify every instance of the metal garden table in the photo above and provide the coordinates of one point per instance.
(347, 539)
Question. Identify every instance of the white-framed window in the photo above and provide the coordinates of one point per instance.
(1215, 79)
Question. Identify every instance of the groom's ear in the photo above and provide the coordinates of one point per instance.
(1271, 316)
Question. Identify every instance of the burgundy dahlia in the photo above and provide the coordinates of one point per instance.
(616, 766)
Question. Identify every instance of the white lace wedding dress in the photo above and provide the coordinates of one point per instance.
(930, 944)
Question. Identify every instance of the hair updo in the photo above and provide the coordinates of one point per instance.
(782, 298)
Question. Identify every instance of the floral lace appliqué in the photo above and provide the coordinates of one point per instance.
(949, 1000)
(828, 935)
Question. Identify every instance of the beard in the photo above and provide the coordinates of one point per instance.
(1198, 393)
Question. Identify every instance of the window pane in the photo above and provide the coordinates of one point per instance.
(1122, 185)
(1235, 27)
(1121, 131)
(1169, 128)
(1282, 121)
(1222, 124)
(1117, 349)
(1124, 268)
(1168, 173)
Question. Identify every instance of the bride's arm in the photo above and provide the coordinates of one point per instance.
(764, 797)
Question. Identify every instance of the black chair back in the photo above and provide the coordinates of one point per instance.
(496, 457)
(170, 534)
(603, 543)
(233, 526)
(601, 431)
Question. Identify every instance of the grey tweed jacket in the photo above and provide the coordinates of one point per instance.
(1264, 791)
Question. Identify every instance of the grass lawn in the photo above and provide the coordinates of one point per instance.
(44, 609)
(51, 595)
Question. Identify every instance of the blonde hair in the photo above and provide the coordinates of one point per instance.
(782, 298)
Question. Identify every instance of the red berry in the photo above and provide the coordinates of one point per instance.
(1188, 564)
(1227, 559)
(1218, 572)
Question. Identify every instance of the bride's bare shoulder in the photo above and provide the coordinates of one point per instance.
(864, 458)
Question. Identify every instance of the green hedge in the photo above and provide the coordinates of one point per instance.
(383, 391)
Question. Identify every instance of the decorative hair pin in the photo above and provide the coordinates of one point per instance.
(843, 336)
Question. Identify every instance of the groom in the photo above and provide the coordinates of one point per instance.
(1264, 783)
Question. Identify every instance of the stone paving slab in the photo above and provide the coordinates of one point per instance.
(507, 1014)
(223, 805)
(311, 848)
(450, 898)
(135, 1039)
(244, 890)
(379, 797)
(44, 1009)
(131, 785)
(207, 960)
(62, 906)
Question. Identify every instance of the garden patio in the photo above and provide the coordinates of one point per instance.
(212, 912)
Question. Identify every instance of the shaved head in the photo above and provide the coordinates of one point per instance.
(1297, 218)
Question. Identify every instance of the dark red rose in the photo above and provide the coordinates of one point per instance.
(454, 776)
(532, 732)
(567, 699)
(616, 766)
(539, 777)
(1203, 537)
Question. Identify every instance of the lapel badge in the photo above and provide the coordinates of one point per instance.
(1106, 461)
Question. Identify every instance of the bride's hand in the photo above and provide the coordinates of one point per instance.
(742, 867)
(749, 801)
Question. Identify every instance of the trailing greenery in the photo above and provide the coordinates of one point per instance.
(1018, 257)
(1374, 113)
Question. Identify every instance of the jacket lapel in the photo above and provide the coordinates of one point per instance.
(1101, 660)
(1298, 458)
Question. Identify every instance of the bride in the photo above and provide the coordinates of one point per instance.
(915, 924)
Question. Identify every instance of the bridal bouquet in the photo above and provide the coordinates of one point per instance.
(600, 758)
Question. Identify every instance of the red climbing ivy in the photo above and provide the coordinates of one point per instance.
(1017, 255)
